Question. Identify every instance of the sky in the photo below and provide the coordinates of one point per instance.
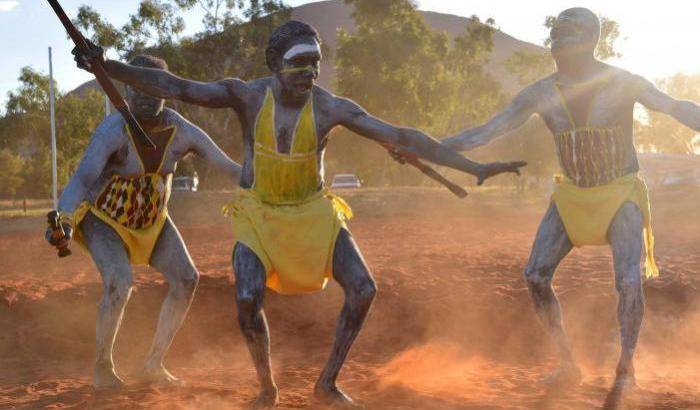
(658, 38)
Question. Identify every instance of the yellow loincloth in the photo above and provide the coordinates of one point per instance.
(588, 212)
(139, 243)
(295, 242)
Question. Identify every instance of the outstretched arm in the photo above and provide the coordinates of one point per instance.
(105, 141)
(205, 147)
(686, 112)
(413, 141)
(163, 84)
(523, 106)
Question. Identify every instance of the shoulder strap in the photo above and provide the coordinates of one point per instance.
(265, 123)
(562, 99)
(152, 159)
(305, 139)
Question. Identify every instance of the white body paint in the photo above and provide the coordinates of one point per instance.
(299, 49)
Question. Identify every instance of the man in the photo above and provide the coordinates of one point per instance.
(291, 232)
(588, 106)
(118, 202)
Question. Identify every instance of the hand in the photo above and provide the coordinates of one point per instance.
(396, 155)
(62, 242)
(84, 61)
(494, 168)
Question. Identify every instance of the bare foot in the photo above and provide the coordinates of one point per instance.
(267, 399)
(565, 375)
(158, 374)
(494, 168)
(333, 397)
(624, 379)
(106, 378)
(624, 383)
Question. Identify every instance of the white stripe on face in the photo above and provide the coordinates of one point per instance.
(302, 49)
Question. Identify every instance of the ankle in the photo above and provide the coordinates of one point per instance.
(325, 385)
(625, 369)
(269, 386)
(104, 364)
(153, 363)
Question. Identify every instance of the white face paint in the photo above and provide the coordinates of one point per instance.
(304, 48)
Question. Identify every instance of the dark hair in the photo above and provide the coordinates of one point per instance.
(282, 37)
(149, 61)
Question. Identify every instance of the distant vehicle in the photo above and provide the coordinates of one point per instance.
(681, 178)
(185, 183)
(346, 181)
(670, 170)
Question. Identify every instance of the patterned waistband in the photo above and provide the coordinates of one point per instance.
(135, 203)
(594, 156)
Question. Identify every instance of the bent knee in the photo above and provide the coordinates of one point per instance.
(365, 292)
(189, 282)
(185, 283)
(538, 276)
(249, 301)
(117, 290)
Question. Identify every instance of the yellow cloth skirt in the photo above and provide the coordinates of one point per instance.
(139, 243)
(588, 212)
(295, 242)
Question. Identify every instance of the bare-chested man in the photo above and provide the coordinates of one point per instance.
(118, 203)
(291, 232)
(599, 199)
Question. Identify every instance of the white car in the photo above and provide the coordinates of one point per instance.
(346, 181)
(185, 183)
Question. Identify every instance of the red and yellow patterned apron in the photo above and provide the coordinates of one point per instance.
(135, 207)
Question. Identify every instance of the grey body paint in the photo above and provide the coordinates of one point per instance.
(291, 89)
(552, 245)
(111, 152)
(574, 38)
(353, 276)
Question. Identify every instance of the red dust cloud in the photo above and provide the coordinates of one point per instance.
(452, 326)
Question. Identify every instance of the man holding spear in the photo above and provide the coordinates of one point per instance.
(291, 231)
(116, 207)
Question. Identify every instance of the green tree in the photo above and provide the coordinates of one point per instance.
(218, 14)
(25, 131)
(153, 20)
(232, 44)
(609, 34)
(11, 166)
(423, 79)
(663, 133)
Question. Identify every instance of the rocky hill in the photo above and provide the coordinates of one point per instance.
(331, 15)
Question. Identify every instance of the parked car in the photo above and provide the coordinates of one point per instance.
(670, 170)
(346, 181)
(186, 183)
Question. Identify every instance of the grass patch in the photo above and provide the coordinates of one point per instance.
(19, 213)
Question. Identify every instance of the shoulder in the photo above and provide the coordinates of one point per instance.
(111, 128)
(340, 105)
(182, 124)
(240, 92)
(260, 85)
(537, 91)
(629, 84)
(234, 85)
(256, 90)
(172, 117)
(545, 84)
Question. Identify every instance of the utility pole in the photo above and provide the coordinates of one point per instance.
(53, 133)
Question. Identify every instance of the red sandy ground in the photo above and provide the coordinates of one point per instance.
(452, 326)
